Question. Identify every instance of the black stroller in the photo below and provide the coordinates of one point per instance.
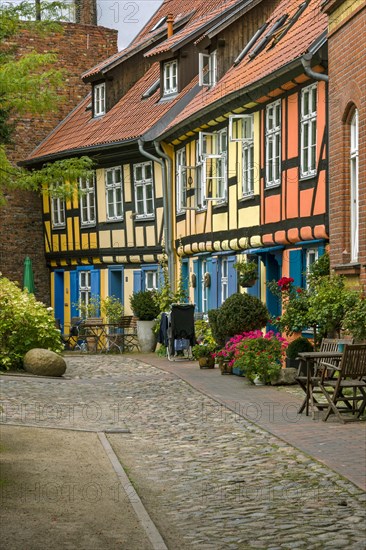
(177, 332)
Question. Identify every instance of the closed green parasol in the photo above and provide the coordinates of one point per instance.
(28, 279)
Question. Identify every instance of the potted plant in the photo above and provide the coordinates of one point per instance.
(204, 350)
(294, 348)
(248, 272)
(258, 355)
(239, 313)
(145, 308)
(204, 353)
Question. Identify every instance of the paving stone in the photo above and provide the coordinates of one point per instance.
(221, 481)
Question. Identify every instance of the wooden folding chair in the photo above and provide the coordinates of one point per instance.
(327, 344)
(347, 393)
(128, 337)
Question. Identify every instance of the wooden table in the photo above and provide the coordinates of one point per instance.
(310, 357)
(107, 337)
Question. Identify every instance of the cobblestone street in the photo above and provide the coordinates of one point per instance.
(209, 478)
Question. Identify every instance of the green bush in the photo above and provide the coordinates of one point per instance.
(112, 308)
(354, 321)
(144, 305)
(297, 346)
(24, 324)
(239, 313)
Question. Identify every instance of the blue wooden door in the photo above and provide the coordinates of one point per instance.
(59, 296)
(115, 282)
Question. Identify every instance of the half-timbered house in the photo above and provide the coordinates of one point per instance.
(209, 133)
(251, 157)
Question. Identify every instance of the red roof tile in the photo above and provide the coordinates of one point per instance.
(132, 116)
(294, 43)
(129, 119)
(194, 8)
(198, 23)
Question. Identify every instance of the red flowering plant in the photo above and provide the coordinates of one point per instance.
(255, 354)
(284, 283)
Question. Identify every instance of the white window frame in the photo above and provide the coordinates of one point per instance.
(308, 132)
(99, 99)
(204, 288)
(154, 275)
(207, 69)
(200, 197)
(144, 183)
(84, 287)
(354, 181)
(219, 180)
(308, 253)
(58, 210)
(112, 189)
(181, 174)
(246, 138)
(273, 145)
(87, 201)
(224, 279)
(170, 77)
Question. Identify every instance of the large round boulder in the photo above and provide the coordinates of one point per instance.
(44, 362)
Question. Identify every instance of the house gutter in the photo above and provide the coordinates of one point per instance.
(169, 211)
(306, 63)
(165, 205)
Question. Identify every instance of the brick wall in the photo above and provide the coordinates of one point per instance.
(78, 48)
(347, 90)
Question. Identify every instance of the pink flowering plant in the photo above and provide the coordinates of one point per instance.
(255, 354)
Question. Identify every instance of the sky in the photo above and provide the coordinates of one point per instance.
(128, 17)
(125, 16)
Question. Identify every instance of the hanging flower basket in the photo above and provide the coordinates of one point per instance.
(248, 273)
(245, 282)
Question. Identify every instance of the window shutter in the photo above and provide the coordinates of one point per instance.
(197, 290)
(185, 278)
(232, 276)
(213, 296)
(137, 281)
(321, 250)
(95, 284)
(297, 266)
(74, 293)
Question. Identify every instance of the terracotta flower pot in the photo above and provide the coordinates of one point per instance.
(225, 367)
(206, 362)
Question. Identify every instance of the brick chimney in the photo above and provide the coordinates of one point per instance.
(86, 12)
(169, 23)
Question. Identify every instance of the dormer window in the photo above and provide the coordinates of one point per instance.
(159, 24)
(99, 99)
(207, 69)
(170, 77)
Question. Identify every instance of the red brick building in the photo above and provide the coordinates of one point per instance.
(347, 137)
(21, 227)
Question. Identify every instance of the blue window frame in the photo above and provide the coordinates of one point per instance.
(219, 283)
(147, 278)
(93, 280)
